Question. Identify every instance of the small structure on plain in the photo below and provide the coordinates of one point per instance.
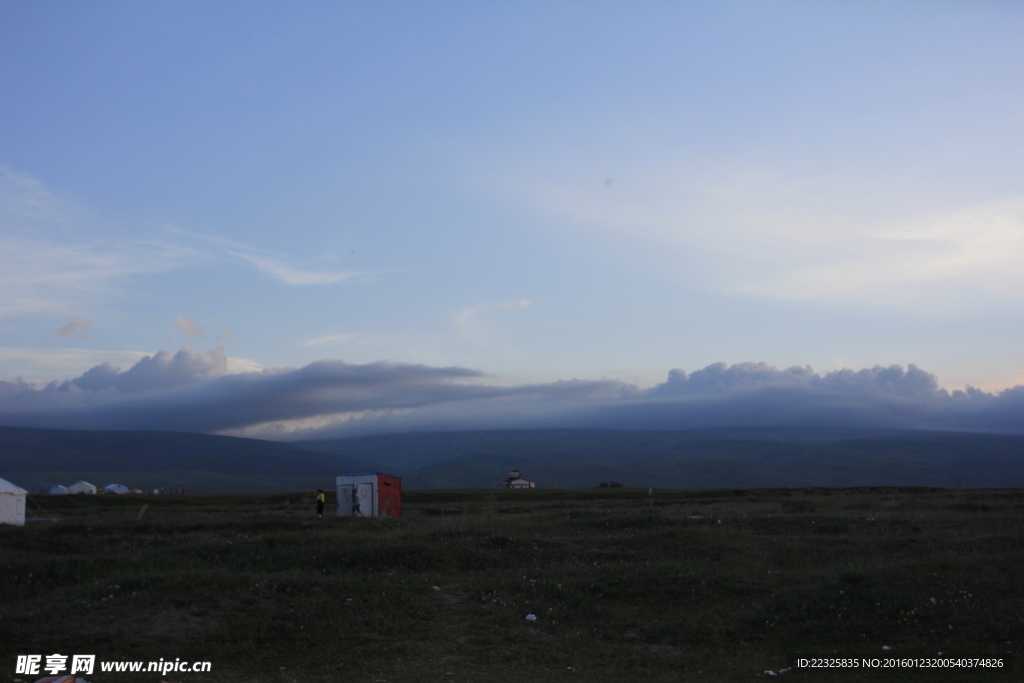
(515, 480)
(12, 503)
(369, 494)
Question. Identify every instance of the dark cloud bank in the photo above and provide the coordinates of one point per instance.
(191, 391)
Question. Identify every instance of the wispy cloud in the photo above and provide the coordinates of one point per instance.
(47, 268)
(76, 325)
(327, 339)
(790, 235)
(25, 198)
(973, 250)
(189, 328)
(275, 264)
(40, 275)
(477, 324)
(294, 276)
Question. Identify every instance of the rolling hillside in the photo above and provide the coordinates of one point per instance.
(696, 458)
(747, 458)
(201, 463)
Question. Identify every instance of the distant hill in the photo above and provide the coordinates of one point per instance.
(712, 458)
(201, 463)
(747, 457)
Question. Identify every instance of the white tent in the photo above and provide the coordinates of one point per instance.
(82, 487)
(116, 488)
(12, 503)
(58, 490)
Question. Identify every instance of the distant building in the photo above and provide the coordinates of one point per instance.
(515, 480)
(369, 494)
(12, 503)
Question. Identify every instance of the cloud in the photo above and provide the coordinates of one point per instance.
(327, 339)
(160, 371)
(76, 325)
(24, 197)
(39, 275)
(756, 229)
(189, 328)
(274, 264)
(968, 250)
(293, 276)
(192, 391)
(520, 305)
(46, 365)
(47, 268)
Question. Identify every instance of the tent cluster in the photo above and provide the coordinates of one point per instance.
(86, 488)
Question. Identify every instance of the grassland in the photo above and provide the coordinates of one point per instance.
(702, 585)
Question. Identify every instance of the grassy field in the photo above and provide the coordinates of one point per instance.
(702, 585)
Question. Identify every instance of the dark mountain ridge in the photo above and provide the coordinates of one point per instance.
(707, 458)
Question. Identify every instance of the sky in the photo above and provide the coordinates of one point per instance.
(281, 219)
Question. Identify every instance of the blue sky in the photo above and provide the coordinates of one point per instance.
(536, 192)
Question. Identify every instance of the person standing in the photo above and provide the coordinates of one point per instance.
(319, 502)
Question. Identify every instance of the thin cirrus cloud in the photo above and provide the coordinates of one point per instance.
(294, 276)
(46, 268)
(274, 264)
(24, 198)
(328, 339)
(973, 250)
(193, 391)
(778, 234)
(40, 275)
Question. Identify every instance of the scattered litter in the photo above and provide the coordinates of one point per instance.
(720, 521)
(531, 617)
(769, 672)
(886, 647)
(348, 599)
(437, 588)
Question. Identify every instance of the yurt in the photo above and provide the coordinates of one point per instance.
(12, 503)
(82, 487)
(369, 494)
(58, 490)
(116, 488)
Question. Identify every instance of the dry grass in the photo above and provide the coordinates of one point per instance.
(686, 585)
